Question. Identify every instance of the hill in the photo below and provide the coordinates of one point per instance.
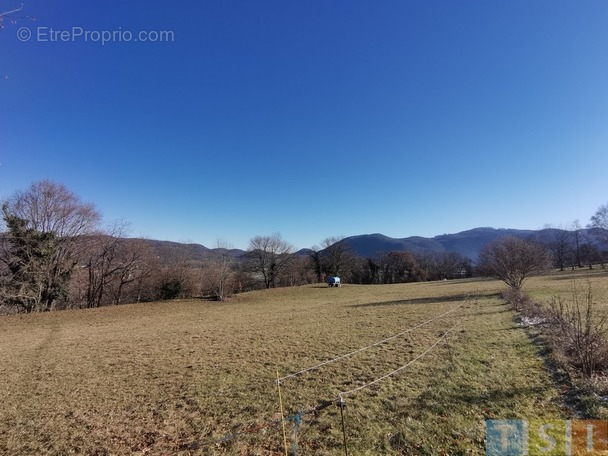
(468, 243)
(169, 251)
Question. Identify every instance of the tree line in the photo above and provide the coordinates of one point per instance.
(54, 254)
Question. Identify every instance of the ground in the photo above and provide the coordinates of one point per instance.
(198, 377)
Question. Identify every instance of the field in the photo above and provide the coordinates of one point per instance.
(198, 377)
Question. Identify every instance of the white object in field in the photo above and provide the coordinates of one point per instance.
(333, 281)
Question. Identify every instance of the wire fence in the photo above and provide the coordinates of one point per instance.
(295, 419)
(367, 347)
(396, 371)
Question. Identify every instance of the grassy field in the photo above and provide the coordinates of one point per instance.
(178, 377)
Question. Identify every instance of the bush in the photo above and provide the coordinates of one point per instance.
(579, 332)
(513, 260)
(171, 289)
(573, 328)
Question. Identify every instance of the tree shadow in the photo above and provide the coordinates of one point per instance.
(407, 302)
(492, 312)
(500, 397)
(580, 274)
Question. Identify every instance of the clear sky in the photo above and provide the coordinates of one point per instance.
(310, 118)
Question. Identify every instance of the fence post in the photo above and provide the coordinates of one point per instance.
(342, 405)
(282, 414)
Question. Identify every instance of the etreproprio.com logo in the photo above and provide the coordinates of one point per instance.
(102, 37)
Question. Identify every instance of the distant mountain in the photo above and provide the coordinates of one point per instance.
(170, 251)
(369, 245)
(176, 251)
(468, 243)
(303, 252)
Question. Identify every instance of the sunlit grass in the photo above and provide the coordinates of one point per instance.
(175, 377)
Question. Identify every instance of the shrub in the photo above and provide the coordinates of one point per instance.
(579, 332)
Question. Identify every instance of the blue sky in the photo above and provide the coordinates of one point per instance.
(311, 118)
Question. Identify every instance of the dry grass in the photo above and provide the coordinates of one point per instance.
(542, 289)
(157, 378)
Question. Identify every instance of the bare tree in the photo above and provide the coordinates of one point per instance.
(401, 267)
(576, 229)
(299, 272)
(49, 207)
(599, 227)
(114, 263)
(46, 224)
(269, 256)
(337, 255)
(10, 15)
(333, 258)
(600, 218)
(177, 277)
(100, 266)
(368, 271)
(219, 272)
(561, 244)
(134, 266)
(316, 262)
(590, 254)
(513, 260)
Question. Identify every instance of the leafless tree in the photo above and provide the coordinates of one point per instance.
(337, 255)
(134, 257)
(219, 271)
(102, 263)
(333, 258)
(560, 243)
(10, 16)
(177, 277)
(453, 265)
(298, 272)
(513, 260)
(600, 218)
(590, 254)
(115, 263)
(599, 227)
(369, 270)
(316, 262)
(46, 226)
(401, 267)
(269, 256)
(576, 229)
(49, 207)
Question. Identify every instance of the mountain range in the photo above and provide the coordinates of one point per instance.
(467, 243)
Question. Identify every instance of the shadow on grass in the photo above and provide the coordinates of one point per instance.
(494, 312)
(458, 395)
(578, 274)
(429, 300)
(498, 397)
